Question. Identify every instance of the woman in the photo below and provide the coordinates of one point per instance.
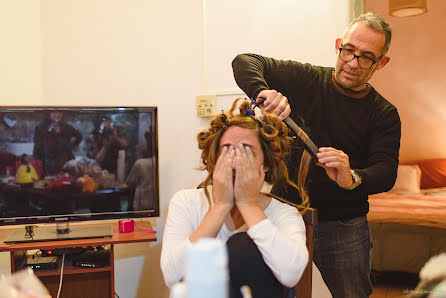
(265, 236)
(141, 177)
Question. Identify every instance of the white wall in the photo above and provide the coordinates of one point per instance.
(157, 53)
(20, 55)
(286, 29)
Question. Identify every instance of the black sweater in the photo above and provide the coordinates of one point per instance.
(367, 129)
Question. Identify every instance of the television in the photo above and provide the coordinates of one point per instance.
(65, 164)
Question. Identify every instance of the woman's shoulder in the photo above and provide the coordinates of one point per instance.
(279, 204)
(277, 207)
(191, 196)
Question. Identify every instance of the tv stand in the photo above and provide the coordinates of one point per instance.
(77, 282)
(64, 232)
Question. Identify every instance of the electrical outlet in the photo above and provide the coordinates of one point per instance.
(205, 105)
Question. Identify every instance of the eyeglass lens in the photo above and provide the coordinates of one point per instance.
(348, 56)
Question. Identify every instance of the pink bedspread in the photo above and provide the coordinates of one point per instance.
(426, 209)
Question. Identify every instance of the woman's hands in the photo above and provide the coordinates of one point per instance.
(222, 194)
(222, 179)
(237, 180)
(249, 177)
(237, 177)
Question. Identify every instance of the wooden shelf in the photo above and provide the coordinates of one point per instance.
(77, 281)
(117, 238)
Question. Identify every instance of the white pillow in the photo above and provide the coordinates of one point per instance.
(408, 179)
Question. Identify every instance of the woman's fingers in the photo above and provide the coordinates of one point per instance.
(247, 169)
(222, 177)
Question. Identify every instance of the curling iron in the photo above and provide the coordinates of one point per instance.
(309, 144)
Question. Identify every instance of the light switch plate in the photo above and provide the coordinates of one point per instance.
(205, 105)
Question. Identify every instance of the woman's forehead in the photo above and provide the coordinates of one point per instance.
(235, 135)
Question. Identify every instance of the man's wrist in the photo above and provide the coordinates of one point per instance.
(357, 180)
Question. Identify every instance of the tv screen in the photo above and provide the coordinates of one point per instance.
(77, 163)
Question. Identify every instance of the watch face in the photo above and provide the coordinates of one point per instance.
(356, 180)
(357, 177)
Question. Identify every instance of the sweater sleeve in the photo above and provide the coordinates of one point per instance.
(176, 240)
(282, 245)
(254, 73)
(383, 157)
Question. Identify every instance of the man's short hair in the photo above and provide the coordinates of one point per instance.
(377, 24)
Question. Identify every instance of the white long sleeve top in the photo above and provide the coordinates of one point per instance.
(280, 238)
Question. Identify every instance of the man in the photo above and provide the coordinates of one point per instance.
(104, 143)
(54, 142)
(358, 133)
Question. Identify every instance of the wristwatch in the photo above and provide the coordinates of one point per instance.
(356, 180)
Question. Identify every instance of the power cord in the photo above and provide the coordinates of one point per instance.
(61, 275)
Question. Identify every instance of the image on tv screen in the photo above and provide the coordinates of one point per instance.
(77, 163)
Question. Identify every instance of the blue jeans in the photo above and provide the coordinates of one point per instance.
(342, 253)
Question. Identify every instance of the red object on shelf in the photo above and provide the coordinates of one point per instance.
(126, 226)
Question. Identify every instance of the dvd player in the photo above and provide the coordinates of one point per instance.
(92, 259)
(41, 263)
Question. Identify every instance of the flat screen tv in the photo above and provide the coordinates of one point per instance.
(61, 164)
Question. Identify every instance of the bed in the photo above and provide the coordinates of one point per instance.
(408, 223)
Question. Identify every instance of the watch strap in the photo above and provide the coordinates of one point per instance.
(356, 180)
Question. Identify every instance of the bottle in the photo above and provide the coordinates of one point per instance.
(179, 290)
(207, 269)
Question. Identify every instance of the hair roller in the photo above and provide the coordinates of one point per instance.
(201, 138)
(244, 107)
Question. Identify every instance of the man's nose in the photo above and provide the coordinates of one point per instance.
(354, 63)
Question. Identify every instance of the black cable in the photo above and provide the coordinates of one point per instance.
(116, 295)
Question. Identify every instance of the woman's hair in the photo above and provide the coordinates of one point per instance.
(275, 142)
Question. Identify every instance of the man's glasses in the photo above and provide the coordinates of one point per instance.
(363, 62)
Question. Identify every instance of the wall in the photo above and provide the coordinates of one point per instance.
(20, 55)
(156, 53)
(414, 79)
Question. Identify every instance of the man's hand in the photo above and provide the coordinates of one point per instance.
(275, 103)
(223, 189)
(336, 164)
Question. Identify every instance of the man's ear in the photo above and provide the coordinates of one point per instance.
(337, 44)
(383, 61)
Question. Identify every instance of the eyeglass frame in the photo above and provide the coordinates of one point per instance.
(356, 56)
